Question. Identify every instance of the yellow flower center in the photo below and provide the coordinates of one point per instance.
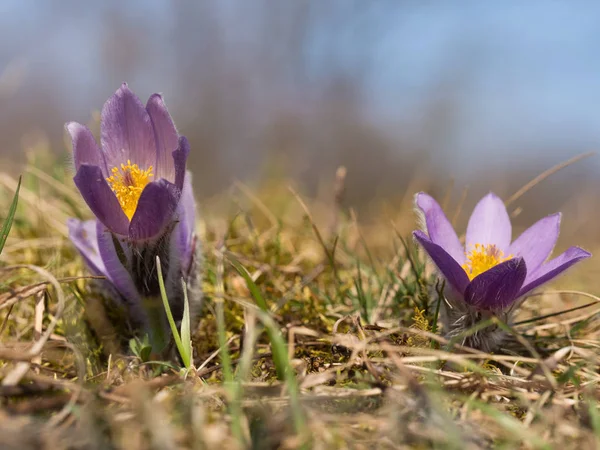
(482, 258)
(128, 182)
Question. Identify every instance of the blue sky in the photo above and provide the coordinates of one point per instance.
(527, 73)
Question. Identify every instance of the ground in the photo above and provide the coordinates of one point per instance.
(332, 340)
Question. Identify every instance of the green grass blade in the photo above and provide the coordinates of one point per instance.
(280, 352)
(252, 287)
(163, 294)
(262, 304)
(9, 219)
(234, 387)
(186, 335)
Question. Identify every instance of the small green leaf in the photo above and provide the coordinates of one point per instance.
(134, 347)
(9, 219)
(145, 352)
(186, 336)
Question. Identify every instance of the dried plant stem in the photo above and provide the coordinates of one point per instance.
(541, 177)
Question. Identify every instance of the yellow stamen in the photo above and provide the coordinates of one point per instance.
(482, 258)
(128, 182)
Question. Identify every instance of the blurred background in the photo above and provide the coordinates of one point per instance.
(406, 94)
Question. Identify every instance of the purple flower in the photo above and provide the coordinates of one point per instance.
(490, 273)
(137, 186)
(134, 181)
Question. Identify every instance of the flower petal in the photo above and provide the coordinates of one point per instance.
(497, 288)
(83, 236)
(439, 228)
(115, 262)
(182, 247)
(186, 214)
(180, 158)
(536, 243)
(554, 268)
(126, 131)
(166, 137)
(85, 147)
(100, 198)
(489, 224)
(155, 210)
(449, 268)
(183, 243)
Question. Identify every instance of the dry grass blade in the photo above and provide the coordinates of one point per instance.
(257, 201)
(13, 377)
(541, 177)
(390, 381)
(15, 295)
(55, 184)
(328, 253)
(55, 216)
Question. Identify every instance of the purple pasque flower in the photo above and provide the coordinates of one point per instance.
(133, 182)
(137, 186)
(490, 273)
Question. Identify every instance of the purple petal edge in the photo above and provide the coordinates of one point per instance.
(166, 136)
(126, 131)
(186, 214)
(183, 242)
(489, 224)
(449, 268)
(536, 243)
(554, 268)
(498, 287)
(180, 159)
(439, 228)
(155, 210)
(83, 235)
(101, 199)
(115, 270)
(85, 147)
